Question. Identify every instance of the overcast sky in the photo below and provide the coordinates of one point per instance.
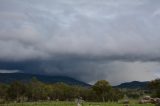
(116, 40)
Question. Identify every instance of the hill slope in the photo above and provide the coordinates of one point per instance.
(133, 85)
(25, 77)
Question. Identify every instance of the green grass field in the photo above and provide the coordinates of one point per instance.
(71, 104)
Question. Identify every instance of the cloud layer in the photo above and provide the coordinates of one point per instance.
(87, 39)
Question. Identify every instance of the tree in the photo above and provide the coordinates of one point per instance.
(3, 91)
(17, 90)
(102, 88)
(115, 94)
(155, 87)
(37, 90)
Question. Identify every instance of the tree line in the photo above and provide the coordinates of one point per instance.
(36, 90)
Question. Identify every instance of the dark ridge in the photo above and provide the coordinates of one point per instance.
(133, 85)
(26, 77)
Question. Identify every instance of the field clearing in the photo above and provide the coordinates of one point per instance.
(70, 104)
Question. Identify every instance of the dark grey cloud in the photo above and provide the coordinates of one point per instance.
(86, 39)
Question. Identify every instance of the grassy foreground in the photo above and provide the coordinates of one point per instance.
(70, 104)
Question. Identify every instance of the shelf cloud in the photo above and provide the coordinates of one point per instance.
(88, 39)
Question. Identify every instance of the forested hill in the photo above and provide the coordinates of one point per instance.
(25, 77)
(133, 85)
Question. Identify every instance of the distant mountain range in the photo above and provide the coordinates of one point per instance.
(25, 77)
(133, 85)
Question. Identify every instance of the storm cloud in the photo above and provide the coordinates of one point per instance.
(117, 40)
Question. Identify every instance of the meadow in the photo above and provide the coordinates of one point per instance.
(72, 104)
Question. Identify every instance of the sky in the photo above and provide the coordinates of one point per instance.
(89, 40)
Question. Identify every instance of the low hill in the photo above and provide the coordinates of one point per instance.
(133, 85)
(25, 77)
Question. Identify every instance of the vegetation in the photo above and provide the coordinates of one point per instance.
(38, 91)
(101, 93)
(103, 89)
(155, 87)
(53, 103)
